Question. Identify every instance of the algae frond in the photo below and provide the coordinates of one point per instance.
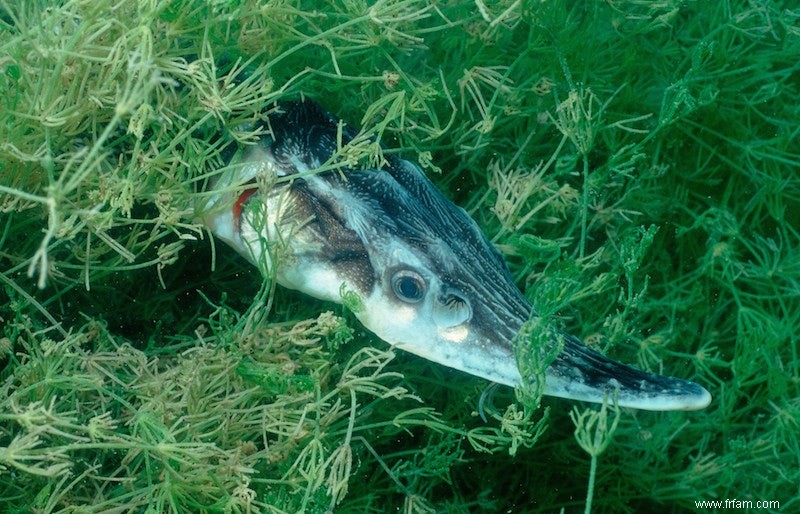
(635, 162)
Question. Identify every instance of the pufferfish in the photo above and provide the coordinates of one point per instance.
(426, 278)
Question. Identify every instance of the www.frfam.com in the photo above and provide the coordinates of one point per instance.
(737, 504)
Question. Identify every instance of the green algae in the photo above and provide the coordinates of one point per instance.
(636, 163)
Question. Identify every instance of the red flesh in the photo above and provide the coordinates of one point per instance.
(239, 205)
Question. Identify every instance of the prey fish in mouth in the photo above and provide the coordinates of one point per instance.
(428, 280)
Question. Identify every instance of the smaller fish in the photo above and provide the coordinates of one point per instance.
(427, 279)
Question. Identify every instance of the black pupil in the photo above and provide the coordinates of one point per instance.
(409, 288)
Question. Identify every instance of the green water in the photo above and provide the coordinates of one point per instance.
(635, 162)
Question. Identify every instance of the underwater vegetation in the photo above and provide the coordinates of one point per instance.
(636, 163)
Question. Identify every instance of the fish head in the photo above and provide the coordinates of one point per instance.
(436, 287)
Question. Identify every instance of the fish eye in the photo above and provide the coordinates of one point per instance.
(408, 286)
